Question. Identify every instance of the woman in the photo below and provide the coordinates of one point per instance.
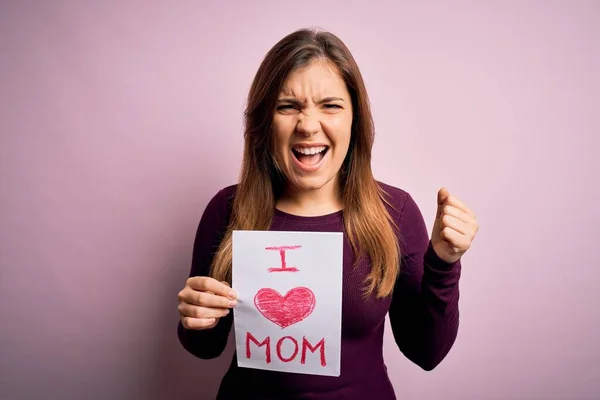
(306, 166)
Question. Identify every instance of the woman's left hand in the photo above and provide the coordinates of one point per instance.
(454, 228)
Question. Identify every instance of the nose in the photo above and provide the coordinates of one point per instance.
(308, 125)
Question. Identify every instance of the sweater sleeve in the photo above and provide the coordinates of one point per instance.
(424, 310)
(208, 343)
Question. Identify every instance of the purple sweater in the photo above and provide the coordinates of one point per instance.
(423, 310)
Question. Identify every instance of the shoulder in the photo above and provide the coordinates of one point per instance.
(399, 203)
(227, 194)
(394, 197)
(221, 203)
(404, 210)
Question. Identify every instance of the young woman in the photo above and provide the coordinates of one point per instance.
(306, 167)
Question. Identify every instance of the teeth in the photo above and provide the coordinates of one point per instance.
(310, 150)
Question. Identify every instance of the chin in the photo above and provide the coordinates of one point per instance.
(311, 182)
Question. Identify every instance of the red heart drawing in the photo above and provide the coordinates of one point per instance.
(287, 310)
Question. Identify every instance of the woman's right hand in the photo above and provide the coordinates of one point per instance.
(203, 301)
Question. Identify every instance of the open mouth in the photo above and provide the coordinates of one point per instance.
(310, 156)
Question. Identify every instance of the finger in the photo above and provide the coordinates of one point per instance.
(207, 284)
(190, 310)
(197, 323)
(457, 213)
(456, 224)
(223, 282)
(208, 299)
(455, 202)
(443, 194)
(456, 240)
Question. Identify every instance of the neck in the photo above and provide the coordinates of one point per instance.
(322, 201)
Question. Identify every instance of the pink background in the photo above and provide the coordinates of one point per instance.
(119, 120)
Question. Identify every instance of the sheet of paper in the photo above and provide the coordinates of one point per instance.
(289, 311)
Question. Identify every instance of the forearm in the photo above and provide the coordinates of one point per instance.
(207, 343)
(425, 323)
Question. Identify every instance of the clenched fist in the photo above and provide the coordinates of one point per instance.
(454, 228)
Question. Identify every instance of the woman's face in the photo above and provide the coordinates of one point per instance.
(311, 126)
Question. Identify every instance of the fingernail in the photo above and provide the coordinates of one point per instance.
(232, 294)
(232, 303)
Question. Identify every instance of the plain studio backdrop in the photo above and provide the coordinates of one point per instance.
(120, 119)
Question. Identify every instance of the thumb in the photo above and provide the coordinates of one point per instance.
(443, 194)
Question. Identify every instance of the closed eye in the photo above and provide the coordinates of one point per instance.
(286, 106)
(293, 107)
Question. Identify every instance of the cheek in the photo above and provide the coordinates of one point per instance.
(280, 143)
(282, 129)
(339, 132)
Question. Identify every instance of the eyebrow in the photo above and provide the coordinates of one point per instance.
(296, 101)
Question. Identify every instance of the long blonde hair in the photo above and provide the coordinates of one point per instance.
(370, 228)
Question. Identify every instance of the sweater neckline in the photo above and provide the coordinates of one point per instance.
(334, 216)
